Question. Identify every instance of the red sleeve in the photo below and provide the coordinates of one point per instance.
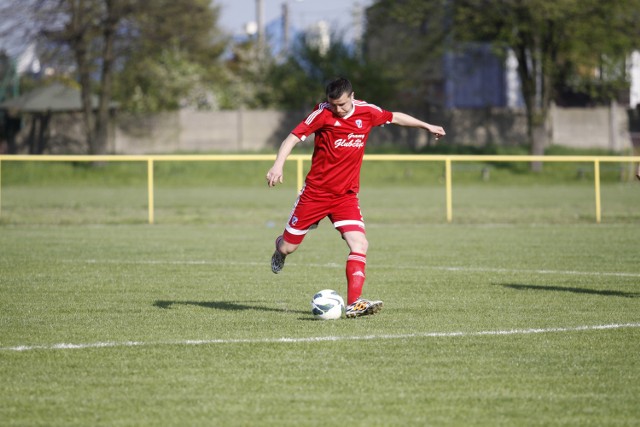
(381, 117)
(312, 123)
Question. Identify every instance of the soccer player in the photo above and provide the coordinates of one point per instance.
(341, 126)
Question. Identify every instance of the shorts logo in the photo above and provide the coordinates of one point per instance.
(359, 123)
(294, 220)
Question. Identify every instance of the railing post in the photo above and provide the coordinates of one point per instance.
(300, 174)
(447, 175)
(150, 188)
(596, 178)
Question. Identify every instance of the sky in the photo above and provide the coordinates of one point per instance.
(235, 14)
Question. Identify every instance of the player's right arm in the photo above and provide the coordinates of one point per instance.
(275, 174)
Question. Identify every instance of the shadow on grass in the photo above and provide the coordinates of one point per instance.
(606, 293)
(224, 305)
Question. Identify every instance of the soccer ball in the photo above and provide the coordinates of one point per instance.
(327, 305)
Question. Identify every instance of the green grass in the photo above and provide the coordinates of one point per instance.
(472, 203)
(493, 320)
(251, 173)
(161, 286)
(234, 192)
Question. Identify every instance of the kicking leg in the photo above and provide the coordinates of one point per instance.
(356, 263)
(355, 270)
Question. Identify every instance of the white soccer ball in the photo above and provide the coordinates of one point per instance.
(327, 305)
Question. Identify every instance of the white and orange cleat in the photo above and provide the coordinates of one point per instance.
(363, 307)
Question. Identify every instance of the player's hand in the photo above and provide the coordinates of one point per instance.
(437, 131)
(274, 176)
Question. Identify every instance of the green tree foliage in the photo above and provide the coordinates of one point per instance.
(87, 31)
(162, 83)
(171, 57)
(298, 82)
(558, 44)
(150, 56)
(409, 37)
(245, 77)
(595, 61)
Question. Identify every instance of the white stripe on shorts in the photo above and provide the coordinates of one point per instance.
(295, 231)
(338, 224)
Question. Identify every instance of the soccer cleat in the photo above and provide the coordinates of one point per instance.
(363, 307)
(277, 259)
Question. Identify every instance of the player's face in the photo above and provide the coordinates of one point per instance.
(343, 105)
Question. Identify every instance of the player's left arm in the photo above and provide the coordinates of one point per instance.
(403, 119)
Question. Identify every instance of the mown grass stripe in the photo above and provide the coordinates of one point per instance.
(381, 266)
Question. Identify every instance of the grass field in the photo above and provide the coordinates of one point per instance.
(521, 312)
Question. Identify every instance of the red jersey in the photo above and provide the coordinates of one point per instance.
(339, 144)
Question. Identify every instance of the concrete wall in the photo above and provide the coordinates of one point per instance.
(229, 131)
(487, 126)
(198, 131)
(147, 134)
(226, 131)
(602, 127)
(202, 131)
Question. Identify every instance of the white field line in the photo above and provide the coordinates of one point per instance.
(381, 266)
(284, 340)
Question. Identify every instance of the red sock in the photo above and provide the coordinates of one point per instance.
(355, 276)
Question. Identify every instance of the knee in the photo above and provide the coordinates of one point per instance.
(359, 245)
(364, 246)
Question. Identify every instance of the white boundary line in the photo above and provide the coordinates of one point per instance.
(284, 340)
(380, 266)
(563, 272)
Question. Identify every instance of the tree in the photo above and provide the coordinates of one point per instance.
(552, 40)
(558, 45)
(97, 39)
(172, 57)
(298, 82)
(86, 30)
(89, 30)
(409, 37)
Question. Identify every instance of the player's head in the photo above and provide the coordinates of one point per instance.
(340, 96)
(336, 88)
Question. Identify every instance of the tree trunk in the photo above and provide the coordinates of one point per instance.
(538, 143)
(78, 29)
(43, 132)
(32, 134)
(13, 126)
(103, 116)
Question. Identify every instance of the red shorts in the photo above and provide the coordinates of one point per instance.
(314, 205)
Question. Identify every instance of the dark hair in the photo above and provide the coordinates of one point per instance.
(337, 87)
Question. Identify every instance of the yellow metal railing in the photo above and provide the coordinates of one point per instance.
(301, 158)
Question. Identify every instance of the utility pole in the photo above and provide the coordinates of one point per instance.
(285, 28)
(260, 19)
(357, 14)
